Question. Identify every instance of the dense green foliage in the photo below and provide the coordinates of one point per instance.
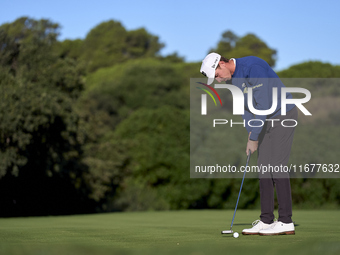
(40, 152)
(110, 43)
(311, 69)
(231, 45)
(102, 124)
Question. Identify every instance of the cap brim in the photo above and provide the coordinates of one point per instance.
(209, 72)
(210, 80)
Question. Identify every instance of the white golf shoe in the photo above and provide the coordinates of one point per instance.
(257, 227)
(278, 228)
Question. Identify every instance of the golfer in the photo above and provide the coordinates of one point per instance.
(272, 140)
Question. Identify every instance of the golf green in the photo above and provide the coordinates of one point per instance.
(168, 232)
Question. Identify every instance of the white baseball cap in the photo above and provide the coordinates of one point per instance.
(209, 64)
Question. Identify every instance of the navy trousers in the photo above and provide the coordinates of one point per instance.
(273, 152)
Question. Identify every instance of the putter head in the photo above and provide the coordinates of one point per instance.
(227, 232)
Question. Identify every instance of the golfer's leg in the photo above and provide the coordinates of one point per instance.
(266, 181)
(284, 198)
(267, 200)
(282, 138)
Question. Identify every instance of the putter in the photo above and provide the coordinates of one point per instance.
(232, 222)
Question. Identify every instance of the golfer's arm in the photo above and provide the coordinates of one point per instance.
(246, 117)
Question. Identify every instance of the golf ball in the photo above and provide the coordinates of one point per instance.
(236, 235)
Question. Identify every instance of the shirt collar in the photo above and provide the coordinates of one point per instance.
(234, 64)
(234, 61)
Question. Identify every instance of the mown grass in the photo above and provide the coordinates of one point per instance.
(169, 232)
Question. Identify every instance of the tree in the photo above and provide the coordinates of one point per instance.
(109, 43)
(139, 43)
(311, 69)
(39, 127)
(104, 44)
(122, 89)
(227, 43)
(69, 48)
(249, 45)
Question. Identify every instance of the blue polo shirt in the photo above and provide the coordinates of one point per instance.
(253, 72)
